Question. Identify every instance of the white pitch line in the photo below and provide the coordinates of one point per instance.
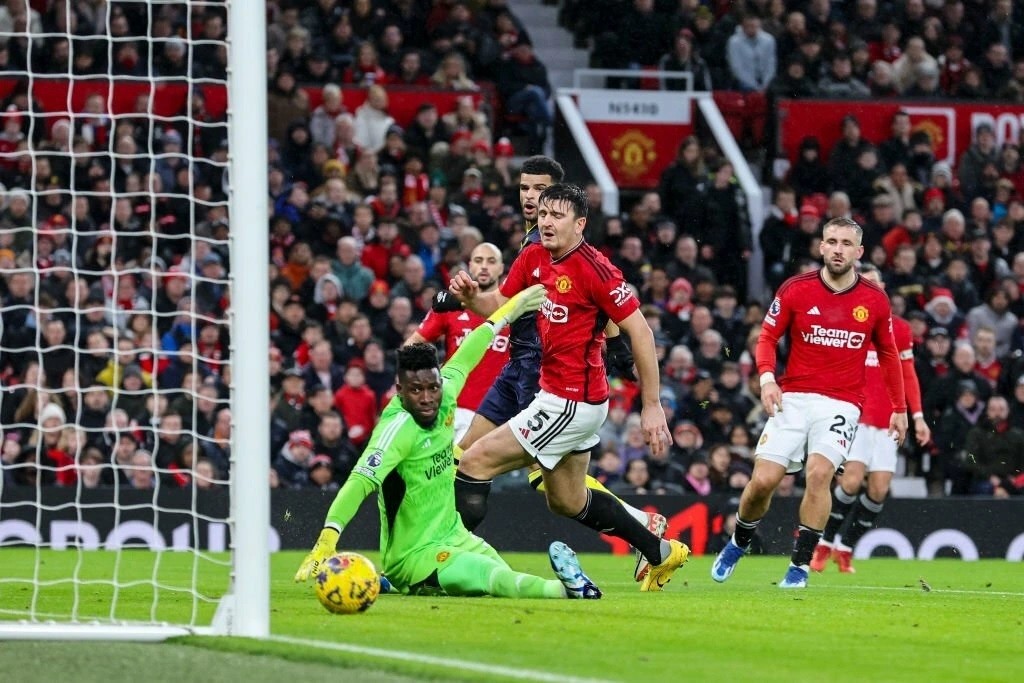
(918, 589)
(457, 664)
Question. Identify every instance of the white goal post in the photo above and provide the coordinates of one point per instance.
(190, 552)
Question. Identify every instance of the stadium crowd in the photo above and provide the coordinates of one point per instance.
(115, 291)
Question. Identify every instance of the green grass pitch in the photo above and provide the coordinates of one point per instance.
(880, 624)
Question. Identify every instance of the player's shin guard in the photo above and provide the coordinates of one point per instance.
(803, 547)
(471, 499)
(862, 520)
(842, 502)
(605, 514)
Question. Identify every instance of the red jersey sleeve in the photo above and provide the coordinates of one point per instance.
(432, 328)
(888, 356)
(904, 338)
(518, 277)
(614, 297)
(776, 322)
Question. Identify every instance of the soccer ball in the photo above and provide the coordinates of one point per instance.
(347, 583)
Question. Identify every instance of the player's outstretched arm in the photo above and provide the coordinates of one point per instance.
(342, 510)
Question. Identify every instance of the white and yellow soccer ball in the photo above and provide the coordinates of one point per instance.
(347, 583)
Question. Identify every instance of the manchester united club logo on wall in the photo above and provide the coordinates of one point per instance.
(634, 152)
(563, 284)
(860, 314)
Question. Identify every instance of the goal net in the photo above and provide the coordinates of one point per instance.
(120, 312)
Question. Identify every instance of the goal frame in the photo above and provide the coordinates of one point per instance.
(244, 609)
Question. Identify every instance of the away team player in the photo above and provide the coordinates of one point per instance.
(831, 316)
(486, 267)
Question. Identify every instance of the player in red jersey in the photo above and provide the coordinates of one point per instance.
(873, 451)
(830, 316)
(485, 267)
(559, 427)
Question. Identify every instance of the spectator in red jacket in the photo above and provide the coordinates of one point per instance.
(357, 404)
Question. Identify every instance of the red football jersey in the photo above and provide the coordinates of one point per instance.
(877, 409)
(829, 333)
(454, 326)
(585, 291)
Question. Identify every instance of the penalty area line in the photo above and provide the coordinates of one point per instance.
(417, 658)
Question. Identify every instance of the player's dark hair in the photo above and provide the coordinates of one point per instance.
(416, 357)
(542, 165)
(566, 192)
(843, 222)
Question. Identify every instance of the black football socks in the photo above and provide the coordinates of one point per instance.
(842, 502)
(471, 499)
(604, 514)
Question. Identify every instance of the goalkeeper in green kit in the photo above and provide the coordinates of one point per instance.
(424, 547)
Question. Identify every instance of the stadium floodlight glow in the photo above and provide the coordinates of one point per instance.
(115, 212)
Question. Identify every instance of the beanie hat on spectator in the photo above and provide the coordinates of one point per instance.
(50, 411)
(964, 386)
(380, 287)
(934, 193)
(461, 135)
(133, 370)
(503, 148)
(481, 146)
(320, 460)
(300, 437)
(938, 332)
(808, 209)
(941, 168)
(687, 426)
(939, 295)
(681, 284)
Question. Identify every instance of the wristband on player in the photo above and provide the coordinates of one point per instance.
(445, 302)
(916, 416)
(767, 377)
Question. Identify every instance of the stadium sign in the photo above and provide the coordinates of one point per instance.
(636, 131)
(967, 529)
(950, 126)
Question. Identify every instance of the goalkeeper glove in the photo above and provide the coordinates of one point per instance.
(445, 302)
(326, 546)
(619, 358)
(524, 302)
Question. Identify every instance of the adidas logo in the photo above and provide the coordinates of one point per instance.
(814, 311)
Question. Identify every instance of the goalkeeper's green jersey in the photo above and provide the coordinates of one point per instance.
(412, 469)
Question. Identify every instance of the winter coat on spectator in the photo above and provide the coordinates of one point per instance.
(355, 279)
(752, 61)
(358, 408)
(994, 450)
(290, 473)
(1004, 324)
(371, 128)
(972, 163)
(944, 392)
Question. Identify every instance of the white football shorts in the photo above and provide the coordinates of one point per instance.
(463, 418)
(808, 423)
(875, 448)
(552, 427)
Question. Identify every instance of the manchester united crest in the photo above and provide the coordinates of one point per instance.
(563, 284)
(860, 314)
(634, 152)
(443, 555)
